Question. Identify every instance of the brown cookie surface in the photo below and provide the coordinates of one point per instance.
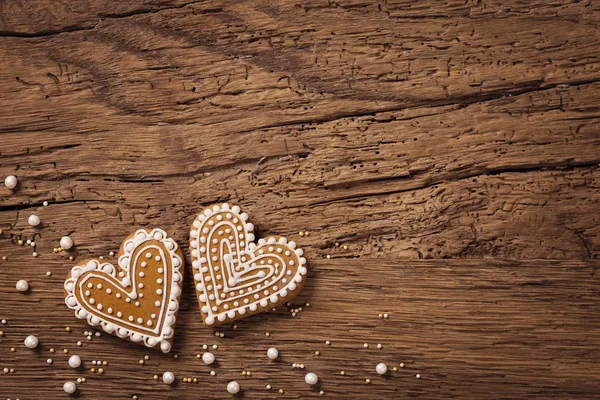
(236, 277)
(137, 299)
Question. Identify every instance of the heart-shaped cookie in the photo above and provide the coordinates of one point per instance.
(138, 298)
(235, 277)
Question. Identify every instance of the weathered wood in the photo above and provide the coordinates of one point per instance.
(400, 130)
(472, 328)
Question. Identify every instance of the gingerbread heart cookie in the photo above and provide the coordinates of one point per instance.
(138, 298)
(236, 277)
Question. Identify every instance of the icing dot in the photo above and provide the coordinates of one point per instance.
(141, 274)
(148, 255)
(118, 295)
(99, 286)
(119, 314)
(141, 285)
(144, 264)
(157, 258)
(159, 291)
(149, 323)
(160, 270)
(110, 310)
(100, 307)
(87, 293)
(92, 300)
(130, 318)
(109, 290)
(128, 300)
(140, 321)
(157, 303)
(90, 285)
(159, 281)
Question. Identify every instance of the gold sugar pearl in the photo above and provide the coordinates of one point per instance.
(306, 233)
(105, 363)
(83, 380)
(175, 355)
(198, 356)
(342, 372)
(68, 329)
(12, 349)
(234, 326)
(134, 397)
(217, 333)
(71, 258)
(20, 242)
(395, 369)
(4, 258)
(244, 373)
(1, 333)
(307, 304)
(155, 377)
(300, 233)
(65, 351)
(51, 350)
(100, 370)
(141, 362)
(401, 365)
(317, 353)
(367, 380)
(92, 370)
(281, 391)
(195, 380)
(337, 244)
(345, 247)
(12, 370)
(267, 334)
(248, 373)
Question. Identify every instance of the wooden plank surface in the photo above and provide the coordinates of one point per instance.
(450, 149)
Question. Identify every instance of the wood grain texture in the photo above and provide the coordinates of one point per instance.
(451, 149)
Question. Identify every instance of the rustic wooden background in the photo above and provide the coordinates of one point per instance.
(450, 148)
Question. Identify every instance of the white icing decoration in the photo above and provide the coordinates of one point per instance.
(123, 282)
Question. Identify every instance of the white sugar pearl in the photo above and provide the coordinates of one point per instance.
(233, 387)
(311, 378)
(66, 242)
(74, 361)
(34, 220)
(381, 368)
(49, 361)
(213, 373)
(22, 285)
(31, 341)
(272, 353)
(366, 345)
(45, 204)
(69, 387)
(10, 181)
(268, 387)
(208, 358)
(168, 377)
